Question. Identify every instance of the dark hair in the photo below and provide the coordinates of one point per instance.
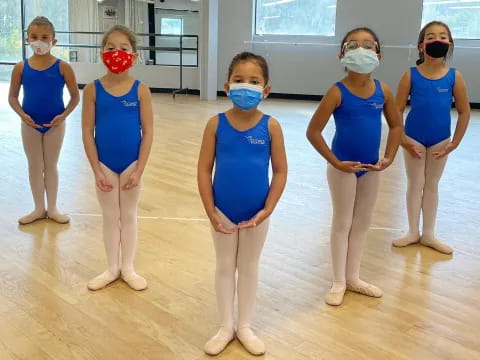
(248, 56)
(132, 38)
(42, 21)
(421, 37)
(363, 28)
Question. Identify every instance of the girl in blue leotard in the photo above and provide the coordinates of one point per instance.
(117, 124)
(240, 143)
(43, 115)
(357, 103)
(432, 86)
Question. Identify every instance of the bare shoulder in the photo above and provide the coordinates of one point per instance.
(89, 91)
(144, 91)
(385, 88)
(18, 67)
(144, 88)
(212, 123)
(274, 124)
(458, 75)
(333, 96)
(334, 91)
(406, 76)
(65, 66)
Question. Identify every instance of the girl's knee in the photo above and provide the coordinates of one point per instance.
(36, 167)
(225, 268)
(341, 226)
(128, 216)
(50, 169)
(248, 269)
(416, 184)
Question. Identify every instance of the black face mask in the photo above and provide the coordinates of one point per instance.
(437, 49)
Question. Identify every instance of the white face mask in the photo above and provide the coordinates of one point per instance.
(40, 47)
(360, 60)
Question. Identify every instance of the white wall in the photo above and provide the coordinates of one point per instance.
(312, 70)
(153, 75)
(117, 4)
(235, 23)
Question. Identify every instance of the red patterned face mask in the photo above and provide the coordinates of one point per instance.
(117, 61)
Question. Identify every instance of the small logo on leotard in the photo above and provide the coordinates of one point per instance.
(253, 141)
(440, 90)
(129, 103)
(377, 106)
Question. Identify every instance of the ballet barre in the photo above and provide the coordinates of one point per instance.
(408, 46)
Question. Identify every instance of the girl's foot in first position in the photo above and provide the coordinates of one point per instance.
(135, 281)
(219, 342)
(407, 239)
(364, 288)
(250, 341)
(33, 216)
(58, 217)
(434, 243)
(335, 296)
(102, 280)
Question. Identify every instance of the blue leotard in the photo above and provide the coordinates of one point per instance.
(429, 120)
(42, 93)
(242, 158)
(358, 123)
(117, 127)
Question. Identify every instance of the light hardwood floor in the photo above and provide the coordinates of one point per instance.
(430, 309)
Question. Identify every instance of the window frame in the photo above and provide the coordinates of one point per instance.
(460, 40)
(290, 37)
(171, 18)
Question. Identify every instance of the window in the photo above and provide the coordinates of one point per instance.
(296, 17)
(11, 37)
(171, 26)
(462, 16)
(10, 31)
(57, 12)
(5, 75)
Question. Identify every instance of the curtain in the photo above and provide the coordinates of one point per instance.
(136, 18)
(84, 16)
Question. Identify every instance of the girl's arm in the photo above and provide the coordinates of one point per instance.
(279, 177)
(206, 160)
(146, 117)
(88, 130)
(463, 109)
(395, 133)
(403, 92)
(318, 122)
(15, 84)
(69, 76)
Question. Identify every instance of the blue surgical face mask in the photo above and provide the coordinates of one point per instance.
(360, 60)
(245, 96)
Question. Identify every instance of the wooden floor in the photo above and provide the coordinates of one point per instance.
(430, 309)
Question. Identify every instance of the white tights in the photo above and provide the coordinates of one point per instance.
(240, 252)
(119, 209)
(353, 201)
(42, 151)
(422, 195)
